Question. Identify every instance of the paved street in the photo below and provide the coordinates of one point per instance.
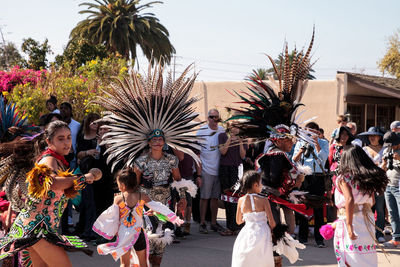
(213, 250)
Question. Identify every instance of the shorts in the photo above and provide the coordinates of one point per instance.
(211, 187)
(140, 242)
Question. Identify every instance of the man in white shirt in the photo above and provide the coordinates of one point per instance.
(210, 188)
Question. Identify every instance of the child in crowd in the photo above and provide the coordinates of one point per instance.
(358, 180)
(253, 246)
(124, 219)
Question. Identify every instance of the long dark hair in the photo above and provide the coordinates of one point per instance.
(91, 117)
(362, 170)
(127, 177)
(248, 180)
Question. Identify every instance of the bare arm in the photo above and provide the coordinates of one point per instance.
(241, 148)
(91, 152)
(117, 199)
(176, 174)
(179, 154)
(59, 183)
(349, 205)
(138, 174)
(224, 148)
(239, 215)
(198, 171)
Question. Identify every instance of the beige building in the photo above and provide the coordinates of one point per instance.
(370, 100)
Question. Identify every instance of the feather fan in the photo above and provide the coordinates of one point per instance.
(274, 103)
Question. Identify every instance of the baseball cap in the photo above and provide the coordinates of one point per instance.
(395, 124)
(391, 138)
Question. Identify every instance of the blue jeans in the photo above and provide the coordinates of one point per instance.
(392, 196)
(380, 214)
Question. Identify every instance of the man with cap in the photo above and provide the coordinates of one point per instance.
(395, 126)
(391, 164)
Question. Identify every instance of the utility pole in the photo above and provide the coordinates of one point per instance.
(4, 47)
(173, 74)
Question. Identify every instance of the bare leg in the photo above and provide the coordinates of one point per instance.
(214, 210)
(203, 210)
(36, 259)
(188, 215)
(142, 257)
(289, 219)
(51, 254)
(125, 259)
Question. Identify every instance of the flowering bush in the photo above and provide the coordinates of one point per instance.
(79, 89)
(17, 76)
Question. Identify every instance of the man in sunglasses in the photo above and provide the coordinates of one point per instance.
(210, 188)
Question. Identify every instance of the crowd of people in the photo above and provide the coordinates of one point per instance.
(139, 177)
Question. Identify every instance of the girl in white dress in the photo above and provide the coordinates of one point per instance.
(124, 220)
(253, 246)
(359, 178)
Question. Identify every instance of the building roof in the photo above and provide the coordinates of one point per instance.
(390, 86)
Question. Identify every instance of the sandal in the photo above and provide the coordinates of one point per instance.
(227, 232)
(236, 232)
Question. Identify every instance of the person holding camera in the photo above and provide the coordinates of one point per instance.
(315, 157)
(391, 164)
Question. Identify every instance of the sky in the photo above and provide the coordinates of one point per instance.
(226, 39)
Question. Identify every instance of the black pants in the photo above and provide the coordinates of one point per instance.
(228, 176)
(315, 185)
(87, 215)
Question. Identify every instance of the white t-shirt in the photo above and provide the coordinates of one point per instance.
(209, 154)
(74, 126)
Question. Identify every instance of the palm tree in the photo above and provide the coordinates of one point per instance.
(259, 74)
(120, 26)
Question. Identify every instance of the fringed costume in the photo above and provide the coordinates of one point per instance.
(28, 189)
(140, 108)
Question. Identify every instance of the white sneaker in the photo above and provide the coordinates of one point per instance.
(70, 221)
(381, 240)
(388, 230)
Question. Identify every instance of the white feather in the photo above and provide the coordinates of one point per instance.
(188, 185)
(306, 170)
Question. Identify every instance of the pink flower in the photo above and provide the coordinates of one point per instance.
(359, 248)
(351, 247)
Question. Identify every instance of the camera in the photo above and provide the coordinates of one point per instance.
(308, 149)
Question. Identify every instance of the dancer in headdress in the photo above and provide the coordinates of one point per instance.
(271, 114)
(145, 114)
(38, 188)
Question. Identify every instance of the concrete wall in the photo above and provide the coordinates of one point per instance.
(322, 98)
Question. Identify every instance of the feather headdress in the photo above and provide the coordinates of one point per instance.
(12, 122)
(272, 106)
(140, 107)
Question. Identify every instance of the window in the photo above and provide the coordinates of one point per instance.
(368, 115)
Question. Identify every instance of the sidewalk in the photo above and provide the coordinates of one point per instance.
(214, 250)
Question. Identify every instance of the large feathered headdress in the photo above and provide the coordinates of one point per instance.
(272, 106)
(142, 107)
(14, 125)
(12, 122)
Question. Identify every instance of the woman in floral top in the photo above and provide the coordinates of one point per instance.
(357, 182)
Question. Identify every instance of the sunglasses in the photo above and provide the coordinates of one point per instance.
(213, 117)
